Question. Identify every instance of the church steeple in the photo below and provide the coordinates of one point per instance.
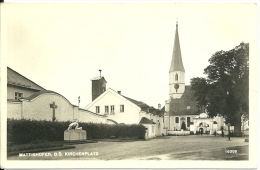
(177, 72)
(176, 64)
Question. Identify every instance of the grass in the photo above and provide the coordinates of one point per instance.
(38, 145)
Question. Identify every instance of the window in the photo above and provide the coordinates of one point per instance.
(188, 107)
(176, 77)
(18, 95)
(97, 109)
(153, 129)
(112, 111)
(176, 119)
(122, 108)
(188, 121)
(106, 110)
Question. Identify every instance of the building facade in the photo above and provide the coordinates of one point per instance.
(124, 110)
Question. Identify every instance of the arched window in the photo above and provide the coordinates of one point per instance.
(176, 77)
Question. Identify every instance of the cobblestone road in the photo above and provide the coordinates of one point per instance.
(162, 148)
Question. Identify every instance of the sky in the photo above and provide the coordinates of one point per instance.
(61, 46)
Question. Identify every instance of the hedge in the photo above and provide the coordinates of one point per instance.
(32, 131)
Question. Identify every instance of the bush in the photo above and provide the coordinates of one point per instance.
(30, 131)
(235, 134)
(183, 126)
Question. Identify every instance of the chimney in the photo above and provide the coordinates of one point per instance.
(159, 106)
(98, 86)
(100, 72)
(119, 92)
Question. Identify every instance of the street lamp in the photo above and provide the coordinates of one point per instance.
(228, 131)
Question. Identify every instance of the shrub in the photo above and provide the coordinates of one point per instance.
(183, 126)
(31, 131)
(235, 134)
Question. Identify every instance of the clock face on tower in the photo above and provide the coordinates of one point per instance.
(176, 86)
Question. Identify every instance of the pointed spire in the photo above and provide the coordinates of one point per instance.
(176, 64)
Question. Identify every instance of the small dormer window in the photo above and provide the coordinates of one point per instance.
(176, 77)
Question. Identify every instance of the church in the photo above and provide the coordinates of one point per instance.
(181, 107)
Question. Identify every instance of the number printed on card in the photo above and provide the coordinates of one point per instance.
(230, 151)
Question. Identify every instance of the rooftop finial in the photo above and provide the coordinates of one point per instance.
(100, 72)
(176, 22)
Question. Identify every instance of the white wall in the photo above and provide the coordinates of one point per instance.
(14, 110)
(108, 98)
(86, 116)
(150, 130)
(39, 109)
(174, 125)
(181, 82)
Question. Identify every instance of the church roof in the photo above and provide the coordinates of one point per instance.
(176, 64)
(144, 120)
(16, 79)
(186, 105)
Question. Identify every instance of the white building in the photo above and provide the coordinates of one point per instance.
(122, 109)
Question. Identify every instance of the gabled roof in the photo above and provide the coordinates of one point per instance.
(16, 79)
(144, 120)
(98, 78)
(179, 106)
(144, 106)
(138, 103)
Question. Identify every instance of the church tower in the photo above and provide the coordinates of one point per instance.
(177, 72)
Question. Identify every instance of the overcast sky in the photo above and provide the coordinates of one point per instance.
(61, 47)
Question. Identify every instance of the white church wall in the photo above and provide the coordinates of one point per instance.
(180, 82)
(111, 98)
(177, 126)
(14, 110)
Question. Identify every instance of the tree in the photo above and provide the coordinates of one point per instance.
(183, 126)
(225, 91)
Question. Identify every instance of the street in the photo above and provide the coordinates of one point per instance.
(192, 147)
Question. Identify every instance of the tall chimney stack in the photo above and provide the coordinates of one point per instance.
(100, 72)
(159, 106)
